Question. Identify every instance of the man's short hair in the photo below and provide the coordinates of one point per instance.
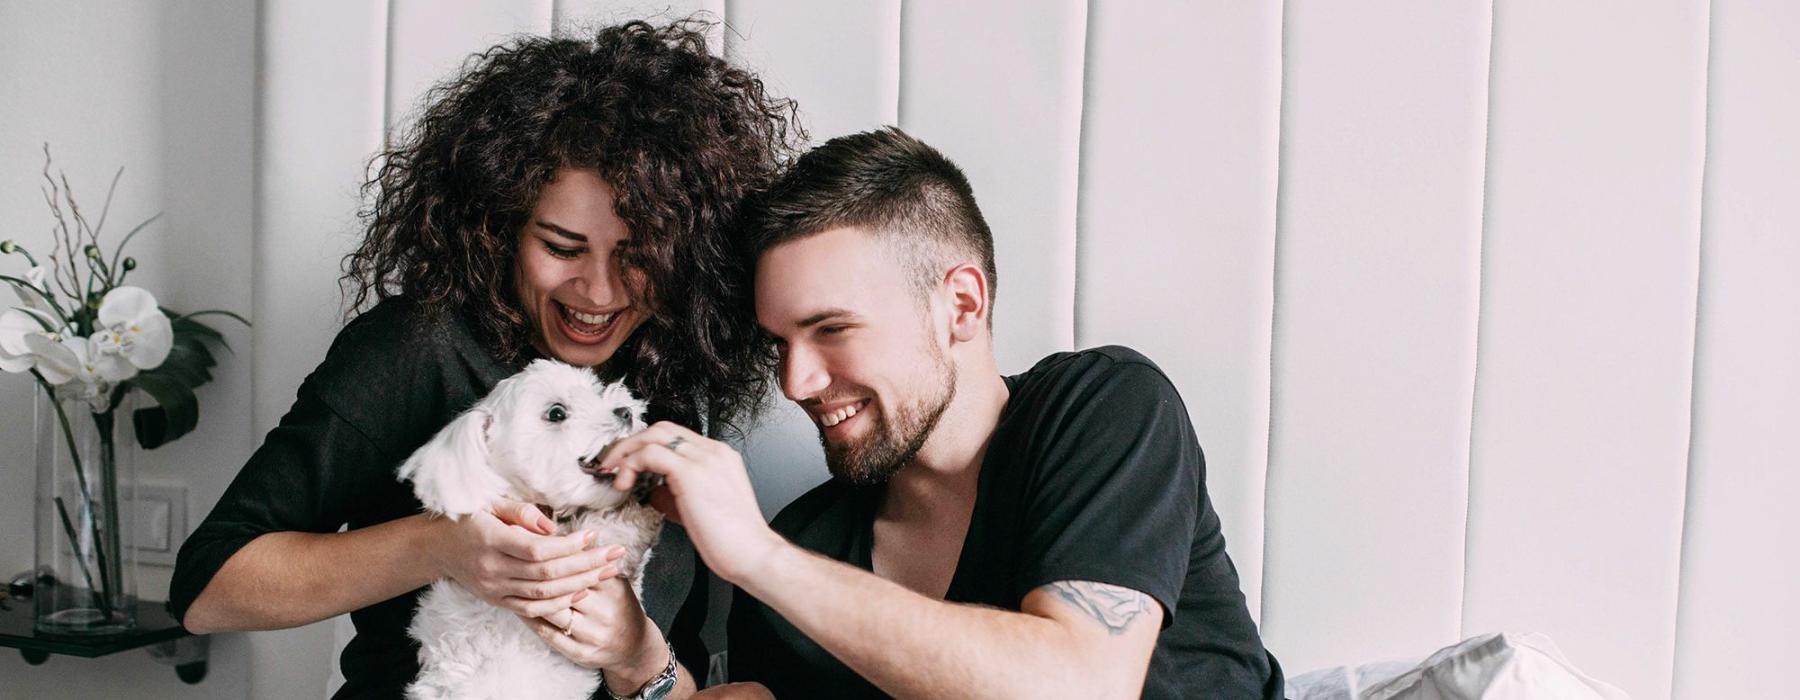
(905, 192)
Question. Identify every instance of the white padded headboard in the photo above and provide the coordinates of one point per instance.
(1486, 313)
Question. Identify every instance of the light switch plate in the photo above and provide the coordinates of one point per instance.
(162, 524)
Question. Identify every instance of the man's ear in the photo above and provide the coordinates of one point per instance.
(450, 473)
(967, 287)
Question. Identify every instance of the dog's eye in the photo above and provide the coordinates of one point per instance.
(556, 413)
(623, 414)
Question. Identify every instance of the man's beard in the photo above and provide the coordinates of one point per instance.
(891, 444)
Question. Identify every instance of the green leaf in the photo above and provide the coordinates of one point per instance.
(172, 383)
(187, 366)
(176, 412)
(220, 312)
(186, 328)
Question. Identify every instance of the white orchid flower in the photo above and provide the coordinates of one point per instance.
(59, 358)
(15, 324)
(39, 277)
(132, 334)
(70, 366)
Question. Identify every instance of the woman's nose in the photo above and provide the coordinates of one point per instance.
(599, 282)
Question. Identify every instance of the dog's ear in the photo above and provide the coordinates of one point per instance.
(450, 473)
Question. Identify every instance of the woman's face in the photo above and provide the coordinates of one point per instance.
(581, 302)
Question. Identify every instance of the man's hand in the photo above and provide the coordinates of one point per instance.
(705, 489)
(607, 630)
(509, 559)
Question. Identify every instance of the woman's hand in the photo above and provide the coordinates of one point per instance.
(509, 559)
(608, 631)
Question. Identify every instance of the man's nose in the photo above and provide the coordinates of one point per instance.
(803, 376)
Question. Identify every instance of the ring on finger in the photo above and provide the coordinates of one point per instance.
(674, 444)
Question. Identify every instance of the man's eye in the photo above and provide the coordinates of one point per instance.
(561, 252)
(832, 330)
(556, 413)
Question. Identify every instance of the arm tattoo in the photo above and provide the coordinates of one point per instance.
(1113, 606)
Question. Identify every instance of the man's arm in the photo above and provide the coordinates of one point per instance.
(1070, 638)
(287, 579)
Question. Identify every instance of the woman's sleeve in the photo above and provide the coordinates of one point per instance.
(311, 472)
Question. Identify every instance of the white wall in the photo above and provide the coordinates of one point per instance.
(166, 90)
(1484, 311)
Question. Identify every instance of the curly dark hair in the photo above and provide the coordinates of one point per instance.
(681, 136)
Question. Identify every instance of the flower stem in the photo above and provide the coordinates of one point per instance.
(108, 547)
(87, 494)
(100, 600)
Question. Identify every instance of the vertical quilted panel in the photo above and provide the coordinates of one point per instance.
(577, 16)
(430, 40)
(1739, 565)
(1587, 336)
(841, 62)
(320, 121)
(997, 87)
(1375, 314)
(1176, 233)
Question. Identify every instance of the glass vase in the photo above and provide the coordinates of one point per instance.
(86, 565)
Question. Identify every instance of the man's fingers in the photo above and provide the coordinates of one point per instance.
(661, 461)
(658, 435)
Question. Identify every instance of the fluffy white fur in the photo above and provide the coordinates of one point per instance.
(508, 447)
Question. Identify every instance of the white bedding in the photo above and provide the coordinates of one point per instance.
(1500, 666)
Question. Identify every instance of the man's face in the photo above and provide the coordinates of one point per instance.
(860, 351)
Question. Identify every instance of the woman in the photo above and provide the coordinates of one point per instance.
(563, 198)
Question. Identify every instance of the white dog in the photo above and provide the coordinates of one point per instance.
(536, 439)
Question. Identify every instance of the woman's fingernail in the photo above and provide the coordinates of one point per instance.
(589, 538)
(578, 596)
(614, 553)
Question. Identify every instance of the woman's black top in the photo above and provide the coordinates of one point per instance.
(391, 380)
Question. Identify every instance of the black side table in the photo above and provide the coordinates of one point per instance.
(172, 644)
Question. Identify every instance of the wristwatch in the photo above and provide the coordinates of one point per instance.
(656, 688)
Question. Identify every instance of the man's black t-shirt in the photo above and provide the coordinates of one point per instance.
(391, 380)
(1092, 474)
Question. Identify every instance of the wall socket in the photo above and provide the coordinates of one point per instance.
(162, 523)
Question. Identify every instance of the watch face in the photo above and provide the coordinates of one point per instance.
(659, 688)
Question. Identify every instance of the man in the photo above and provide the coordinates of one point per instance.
(1041, 535)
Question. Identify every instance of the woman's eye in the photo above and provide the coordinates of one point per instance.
(561, 252)
(557, 413)
(833, 330)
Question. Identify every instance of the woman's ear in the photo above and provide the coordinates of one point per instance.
(450, 473)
